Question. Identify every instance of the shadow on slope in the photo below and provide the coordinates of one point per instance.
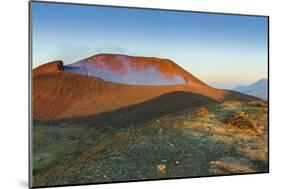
(139, 113)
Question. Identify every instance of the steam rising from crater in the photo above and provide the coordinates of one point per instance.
(125, 73)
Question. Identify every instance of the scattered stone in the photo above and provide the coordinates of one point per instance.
(202, 112)
(230, 104)
(161, 169)
(177, 162)
(260, 104)
(240, 113)
(242, 121)
(171, 144)
(160, 131)
(230, 165)
(157, 120)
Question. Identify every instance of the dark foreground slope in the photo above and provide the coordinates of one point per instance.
(129, 145)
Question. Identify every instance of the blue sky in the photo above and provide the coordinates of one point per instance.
(222, 50)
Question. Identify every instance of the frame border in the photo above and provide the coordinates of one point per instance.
(30, 122)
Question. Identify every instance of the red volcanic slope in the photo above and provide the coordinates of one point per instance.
(59, 94)
(47, 69)
(118, 64)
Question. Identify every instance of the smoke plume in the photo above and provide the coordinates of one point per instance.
(127, 74)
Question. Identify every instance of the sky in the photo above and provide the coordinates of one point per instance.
(222, 50)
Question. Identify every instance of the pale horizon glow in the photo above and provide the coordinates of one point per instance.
(222, 50)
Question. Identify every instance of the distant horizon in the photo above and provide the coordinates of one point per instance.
(224, 51)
